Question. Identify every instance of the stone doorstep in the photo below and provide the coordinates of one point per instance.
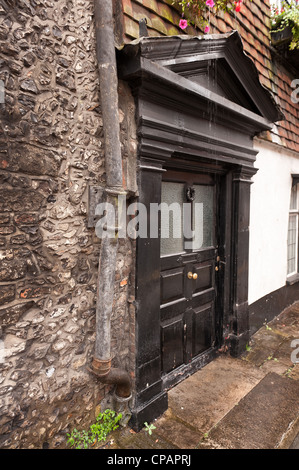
(207, 396)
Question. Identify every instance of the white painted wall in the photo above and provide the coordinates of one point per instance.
(270, 200)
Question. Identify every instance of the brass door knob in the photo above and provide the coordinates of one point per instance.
(191, 275)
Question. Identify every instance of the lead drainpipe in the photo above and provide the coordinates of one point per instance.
(101, 364)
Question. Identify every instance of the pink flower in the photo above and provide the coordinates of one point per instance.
(207, 29)
(237, 6)
(183, 23)
(210, 3)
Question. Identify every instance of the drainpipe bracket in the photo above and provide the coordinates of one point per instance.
(98, 195)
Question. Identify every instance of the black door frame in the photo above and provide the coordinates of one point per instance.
(151, 387)
(176, 116)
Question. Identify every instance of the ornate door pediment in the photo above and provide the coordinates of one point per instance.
(183, 84)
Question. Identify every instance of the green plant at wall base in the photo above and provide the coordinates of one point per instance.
(288, 15)
(198, 11)
(79, 439)
(106, 422)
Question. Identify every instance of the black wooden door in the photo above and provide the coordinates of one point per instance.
(189, 267)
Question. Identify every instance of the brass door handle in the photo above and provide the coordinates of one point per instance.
(191, 275)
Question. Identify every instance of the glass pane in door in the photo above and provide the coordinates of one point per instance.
(203, 217)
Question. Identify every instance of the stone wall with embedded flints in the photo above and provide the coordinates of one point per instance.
(51, 149)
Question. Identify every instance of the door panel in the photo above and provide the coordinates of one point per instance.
(173, 349)
(172, 284)
(204, 279)
(173, 309)
(203, 297)
(188, 276)
(202, 329)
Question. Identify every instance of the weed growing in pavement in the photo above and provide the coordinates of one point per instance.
(288, 372)
(266, 326)
(106, 422)
(149, 428)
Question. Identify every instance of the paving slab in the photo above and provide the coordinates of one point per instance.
(284, 352)
(204, 398)
(275, 365)
(295, 443)
(288, 321)
(128, 439)
(293, 372)
(265, 343)
(180, 434)
(262, 419)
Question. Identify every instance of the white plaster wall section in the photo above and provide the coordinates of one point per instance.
(270, 200)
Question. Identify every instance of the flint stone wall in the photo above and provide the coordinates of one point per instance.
(51, 149)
